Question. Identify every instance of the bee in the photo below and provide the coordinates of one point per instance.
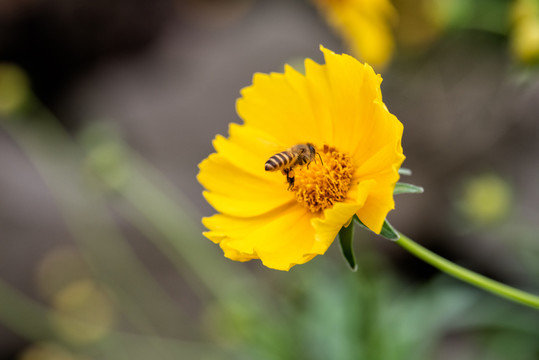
(285, 161)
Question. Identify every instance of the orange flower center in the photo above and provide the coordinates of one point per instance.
(319, 186)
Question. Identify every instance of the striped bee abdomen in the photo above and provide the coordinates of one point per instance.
(279, 161)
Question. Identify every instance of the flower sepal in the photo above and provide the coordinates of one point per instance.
(405, 171)
(405, 188)
(346, 236)
(388, 231)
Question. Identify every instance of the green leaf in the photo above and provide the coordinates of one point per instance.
(388, 231)
(346, 235)
(404, 188)
(405, 171)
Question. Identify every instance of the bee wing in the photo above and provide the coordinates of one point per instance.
(275, 149)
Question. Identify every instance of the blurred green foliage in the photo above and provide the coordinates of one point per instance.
(99, 306)
(100, 301)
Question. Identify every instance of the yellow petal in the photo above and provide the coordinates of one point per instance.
(381, 167)
(355, 94)
(319, 91)
(328, 226)
(235, 230)
(234, 254)
(246, 148)
(280, 105)
(385, 130)
(286, 241)
(223, 227)
(280, 239)
(379, 203)
(234, 191)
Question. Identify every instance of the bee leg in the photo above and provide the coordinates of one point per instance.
(290, 182)
(290, 178)
(285, 171)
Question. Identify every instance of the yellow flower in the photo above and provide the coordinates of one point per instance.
(365, 25)
(338, 108)
(525, 31)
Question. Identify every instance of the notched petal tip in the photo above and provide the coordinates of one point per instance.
(277, 265)
(325, 50)
(214, 236)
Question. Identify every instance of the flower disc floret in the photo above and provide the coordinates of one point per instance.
(321, 184)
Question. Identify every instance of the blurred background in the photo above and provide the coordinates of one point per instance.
(107, 108)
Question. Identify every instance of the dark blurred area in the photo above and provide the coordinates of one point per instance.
(58, 41)
(164, 76)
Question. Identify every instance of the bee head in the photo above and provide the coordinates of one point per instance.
(313, 152)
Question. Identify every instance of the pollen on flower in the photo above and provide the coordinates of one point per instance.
(320, 185)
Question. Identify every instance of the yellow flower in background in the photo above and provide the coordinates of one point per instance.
(337, 107)
(525, 31)
(365, 25)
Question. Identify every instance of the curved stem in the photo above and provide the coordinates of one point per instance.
(468, 276)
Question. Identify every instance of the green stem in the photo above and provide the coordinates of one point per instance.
(468, 276)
